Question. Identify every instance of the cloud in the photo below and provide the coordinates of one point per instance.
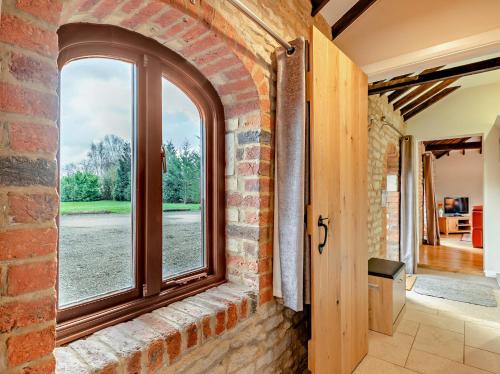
(97, 100)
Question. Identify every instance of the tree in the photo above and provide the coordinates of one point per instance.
(121, 191)
(80, 186)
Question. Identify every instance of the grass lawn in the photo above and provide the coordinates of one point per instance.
(110, 206)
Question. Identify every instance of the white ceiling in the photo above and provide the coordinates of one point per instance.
(394, 37)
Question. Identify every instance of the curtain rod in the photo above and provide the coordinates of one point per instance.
(289, 48)
(384, 121)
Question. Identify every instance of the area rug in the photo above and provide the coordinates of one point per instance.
(455, 289)
(410, 281)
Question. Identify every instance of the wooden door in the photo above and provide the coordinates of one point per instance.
(338, 94)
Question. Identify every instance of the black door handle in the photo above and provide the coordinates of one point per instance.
(321, 246)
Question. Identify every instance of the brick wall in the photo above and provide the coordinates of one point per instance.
(236, 57)
(383, 161)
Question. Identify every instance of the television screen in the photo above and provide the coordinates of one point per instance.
(456, 205)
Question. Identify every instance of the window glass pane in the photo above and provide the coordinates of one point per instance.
(183, 223)
(96, 179)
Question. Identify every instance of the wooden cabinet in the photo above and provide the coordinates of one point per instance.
(386, 294)
(455, 225)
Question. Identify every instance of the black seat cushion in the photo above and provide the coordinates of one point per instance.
(380, 267)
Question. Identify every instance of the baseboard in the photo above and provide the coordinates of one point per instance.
(491, 274)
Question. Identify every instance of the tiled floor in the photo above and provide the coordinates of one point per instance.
(438, 336)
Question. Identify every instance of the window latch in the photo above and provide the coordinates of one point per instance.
(163, 155)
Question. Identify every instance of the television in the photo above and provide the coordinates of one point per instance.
(456, 205)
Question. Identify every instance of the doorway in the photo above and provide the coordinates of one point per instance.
(455, 177)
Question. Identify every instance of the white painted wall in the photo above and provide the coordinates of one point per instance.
(472, 111)
(459, 175)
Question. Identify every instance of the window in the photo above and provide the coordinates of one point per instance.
(141, 179)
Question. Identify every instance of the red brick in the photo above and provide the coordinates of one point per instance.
(106, 7)
(207, 329)
(195, 32)
(217, 67)
(32, 208)
(87, 5)
(176, 29)
(256, 185)
(155, 355)
(28, 69)
(23, 34)
(192, 335)
(242, 108)
(29, 137)
(134, 363)
(238, 73)
(240, 85)
(18, 99)
(201, 45)
(174, 346)
(220, 319)
(265, 296)
(265, 280)
(232, 316)
(169, 17)
(48, 10)
(244, 308)
(27, 347)
(31, 277)
(234, 199)
(24, 313)
(264, 265)
(253, 168)
(132, 5)
(225, 56)
(258, 153)
(17, 244)
(144, 14)
(265, 250)
(40, 367)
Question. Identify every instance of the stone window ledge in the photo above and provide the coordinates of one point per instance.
(158, 339)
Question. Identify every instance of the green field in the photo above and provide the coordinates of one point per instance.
(111, 206)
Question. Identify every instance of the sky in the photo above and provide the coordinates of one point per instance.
(97, 99)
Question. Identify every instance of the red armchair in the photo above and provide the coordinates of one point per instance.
(477, 226)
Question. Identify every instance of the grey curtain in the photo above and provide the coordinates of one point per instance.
(289, 193)
(431, 215)
(408, 224)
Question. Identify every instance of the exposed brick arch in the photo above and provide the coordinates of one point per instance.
(196, 32)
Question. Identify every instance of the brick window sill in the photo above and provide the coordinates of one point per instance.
(158, 339)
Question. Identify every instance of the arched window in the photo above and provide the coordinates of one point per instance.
(141, 179)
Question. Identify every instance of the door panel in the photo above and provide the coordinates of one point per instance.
(339, 146)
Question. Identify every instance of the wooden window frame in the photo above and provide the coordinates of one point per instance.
(152, 61)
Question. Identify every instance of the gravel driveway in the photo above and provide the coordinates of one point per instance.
(95, 254)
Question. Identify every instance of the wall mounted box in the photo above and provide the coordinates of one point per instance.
(386, 294)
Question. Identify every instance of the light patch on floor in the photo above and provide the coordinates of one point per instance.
(439, 336)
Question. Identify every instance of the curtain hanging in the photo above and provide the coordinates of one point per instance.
(431, 214)
(289, 174)
(408, 228)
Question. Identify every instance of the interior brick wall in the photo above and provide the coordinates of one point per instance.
(237, 57)
(383, 160)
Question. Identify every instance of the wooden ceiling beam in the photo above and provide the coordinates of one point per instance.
(441, 86)
(440, 75)
(434, 99)
(317, 5)
(350, 16)
(412, 95)
(453, 146)
(398, 93)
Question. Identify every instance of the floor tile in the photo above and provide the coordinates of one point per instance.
(426, 363)
(482, 359)
(482, 337)
(372, 365)
(420, 307)
(444, 322)
(394, 349)
(440, 342)
(408, 327)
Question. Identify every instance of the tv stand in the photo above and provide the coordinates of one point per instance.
(460, 224)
